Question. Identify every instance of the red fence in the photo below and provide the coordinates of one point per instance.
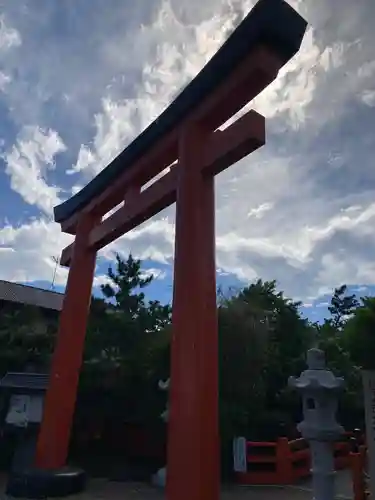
(284, 461)
(358, 467)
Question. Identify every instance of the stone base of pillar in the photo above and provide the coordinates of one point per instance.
(39, 483)
(160, 478)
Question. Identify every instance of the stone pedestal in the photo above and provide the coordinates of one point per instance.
(319, 389)
(160, 478)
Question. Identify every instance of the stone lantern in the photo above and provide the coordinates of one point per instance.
(319, 389)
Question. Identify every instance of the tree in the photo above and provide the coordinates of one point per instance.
(359, 334)
(270, 329)
(359, 343)
(124, 291)
(329, 335)
(242, 338)
(289, 337)
(123, 320)
(242, 341)
(27, 335)
(126, 349)
(263, 340)
(331, 339)
(342, 307)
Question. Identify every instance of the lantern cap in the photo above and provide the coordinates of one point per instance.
(317, 377)
(316, 359)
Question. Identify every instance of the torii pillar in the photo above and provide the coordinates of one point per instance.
(191, 132)
(194, 459)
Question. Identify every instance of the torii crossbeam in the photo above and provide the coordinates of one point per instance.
(186, 138)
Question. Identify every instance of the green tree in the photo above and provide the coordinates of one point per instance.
(275, 338)
(289, 337)
(331, 339)
(358, 340)
(123, 321)
(242, 339)
(126, 348)
(342, 307)
(27, 335)
(359, 334)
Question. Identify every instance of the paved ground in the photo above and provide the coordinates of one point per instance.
(109, 490)
(343, 485)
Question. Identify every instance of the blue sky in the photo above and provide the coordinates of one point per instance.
(79, 80)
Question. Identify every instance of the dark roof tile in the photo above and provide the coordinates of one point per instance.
(23, 294)
(32, 381)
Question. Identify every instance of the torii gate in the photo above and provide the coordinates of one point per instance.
(187, 131)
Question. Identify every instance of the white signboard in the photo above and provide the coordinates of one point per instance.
(24, 409)
(240, 454)
(35, 409)
(18, 409)
(369, 395)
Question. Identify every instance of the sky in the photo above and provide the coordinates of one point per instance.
(79, 80)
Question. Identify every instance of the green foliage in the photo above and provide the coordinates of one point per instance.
(289, 336)
(359, 334)
(263, 340)
(342, 306)
(331, 337)
(124, 320)
(26, 337)
(127, 348)
(242, 341)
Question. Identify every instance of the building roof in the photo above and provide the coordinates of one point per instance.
(31, 381)
(29, 295)
(271, 23)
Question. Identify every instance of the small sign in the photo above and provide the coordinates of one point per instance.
(18, 410)
(35, 409)
(240, 454)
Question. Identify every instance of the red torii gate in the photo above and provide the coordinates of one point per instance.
(186, 131)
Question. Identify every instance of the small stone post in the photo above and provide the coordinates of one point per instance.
(159, 479)
(319, 388)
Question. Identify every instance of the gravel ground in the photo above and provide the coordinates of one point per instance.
(110, 490)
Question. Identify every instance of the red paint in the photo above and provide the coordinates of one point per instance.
(284, 461)
(54, 437)
(193, 440)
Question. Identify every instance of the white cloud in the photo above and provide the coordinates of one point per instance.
(368, 97)
(4, 80)
(102, 279)
(28, 162)
(163, 74)
(260, 210)
(9, 37)
(27, 251)
(157, 274)
(152, 240)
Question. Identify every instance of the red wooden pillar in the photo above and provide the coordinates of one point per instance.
(193, 441)
(54, 436)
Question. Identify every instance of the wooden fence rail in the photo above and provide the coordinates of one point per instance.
(284, 461)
